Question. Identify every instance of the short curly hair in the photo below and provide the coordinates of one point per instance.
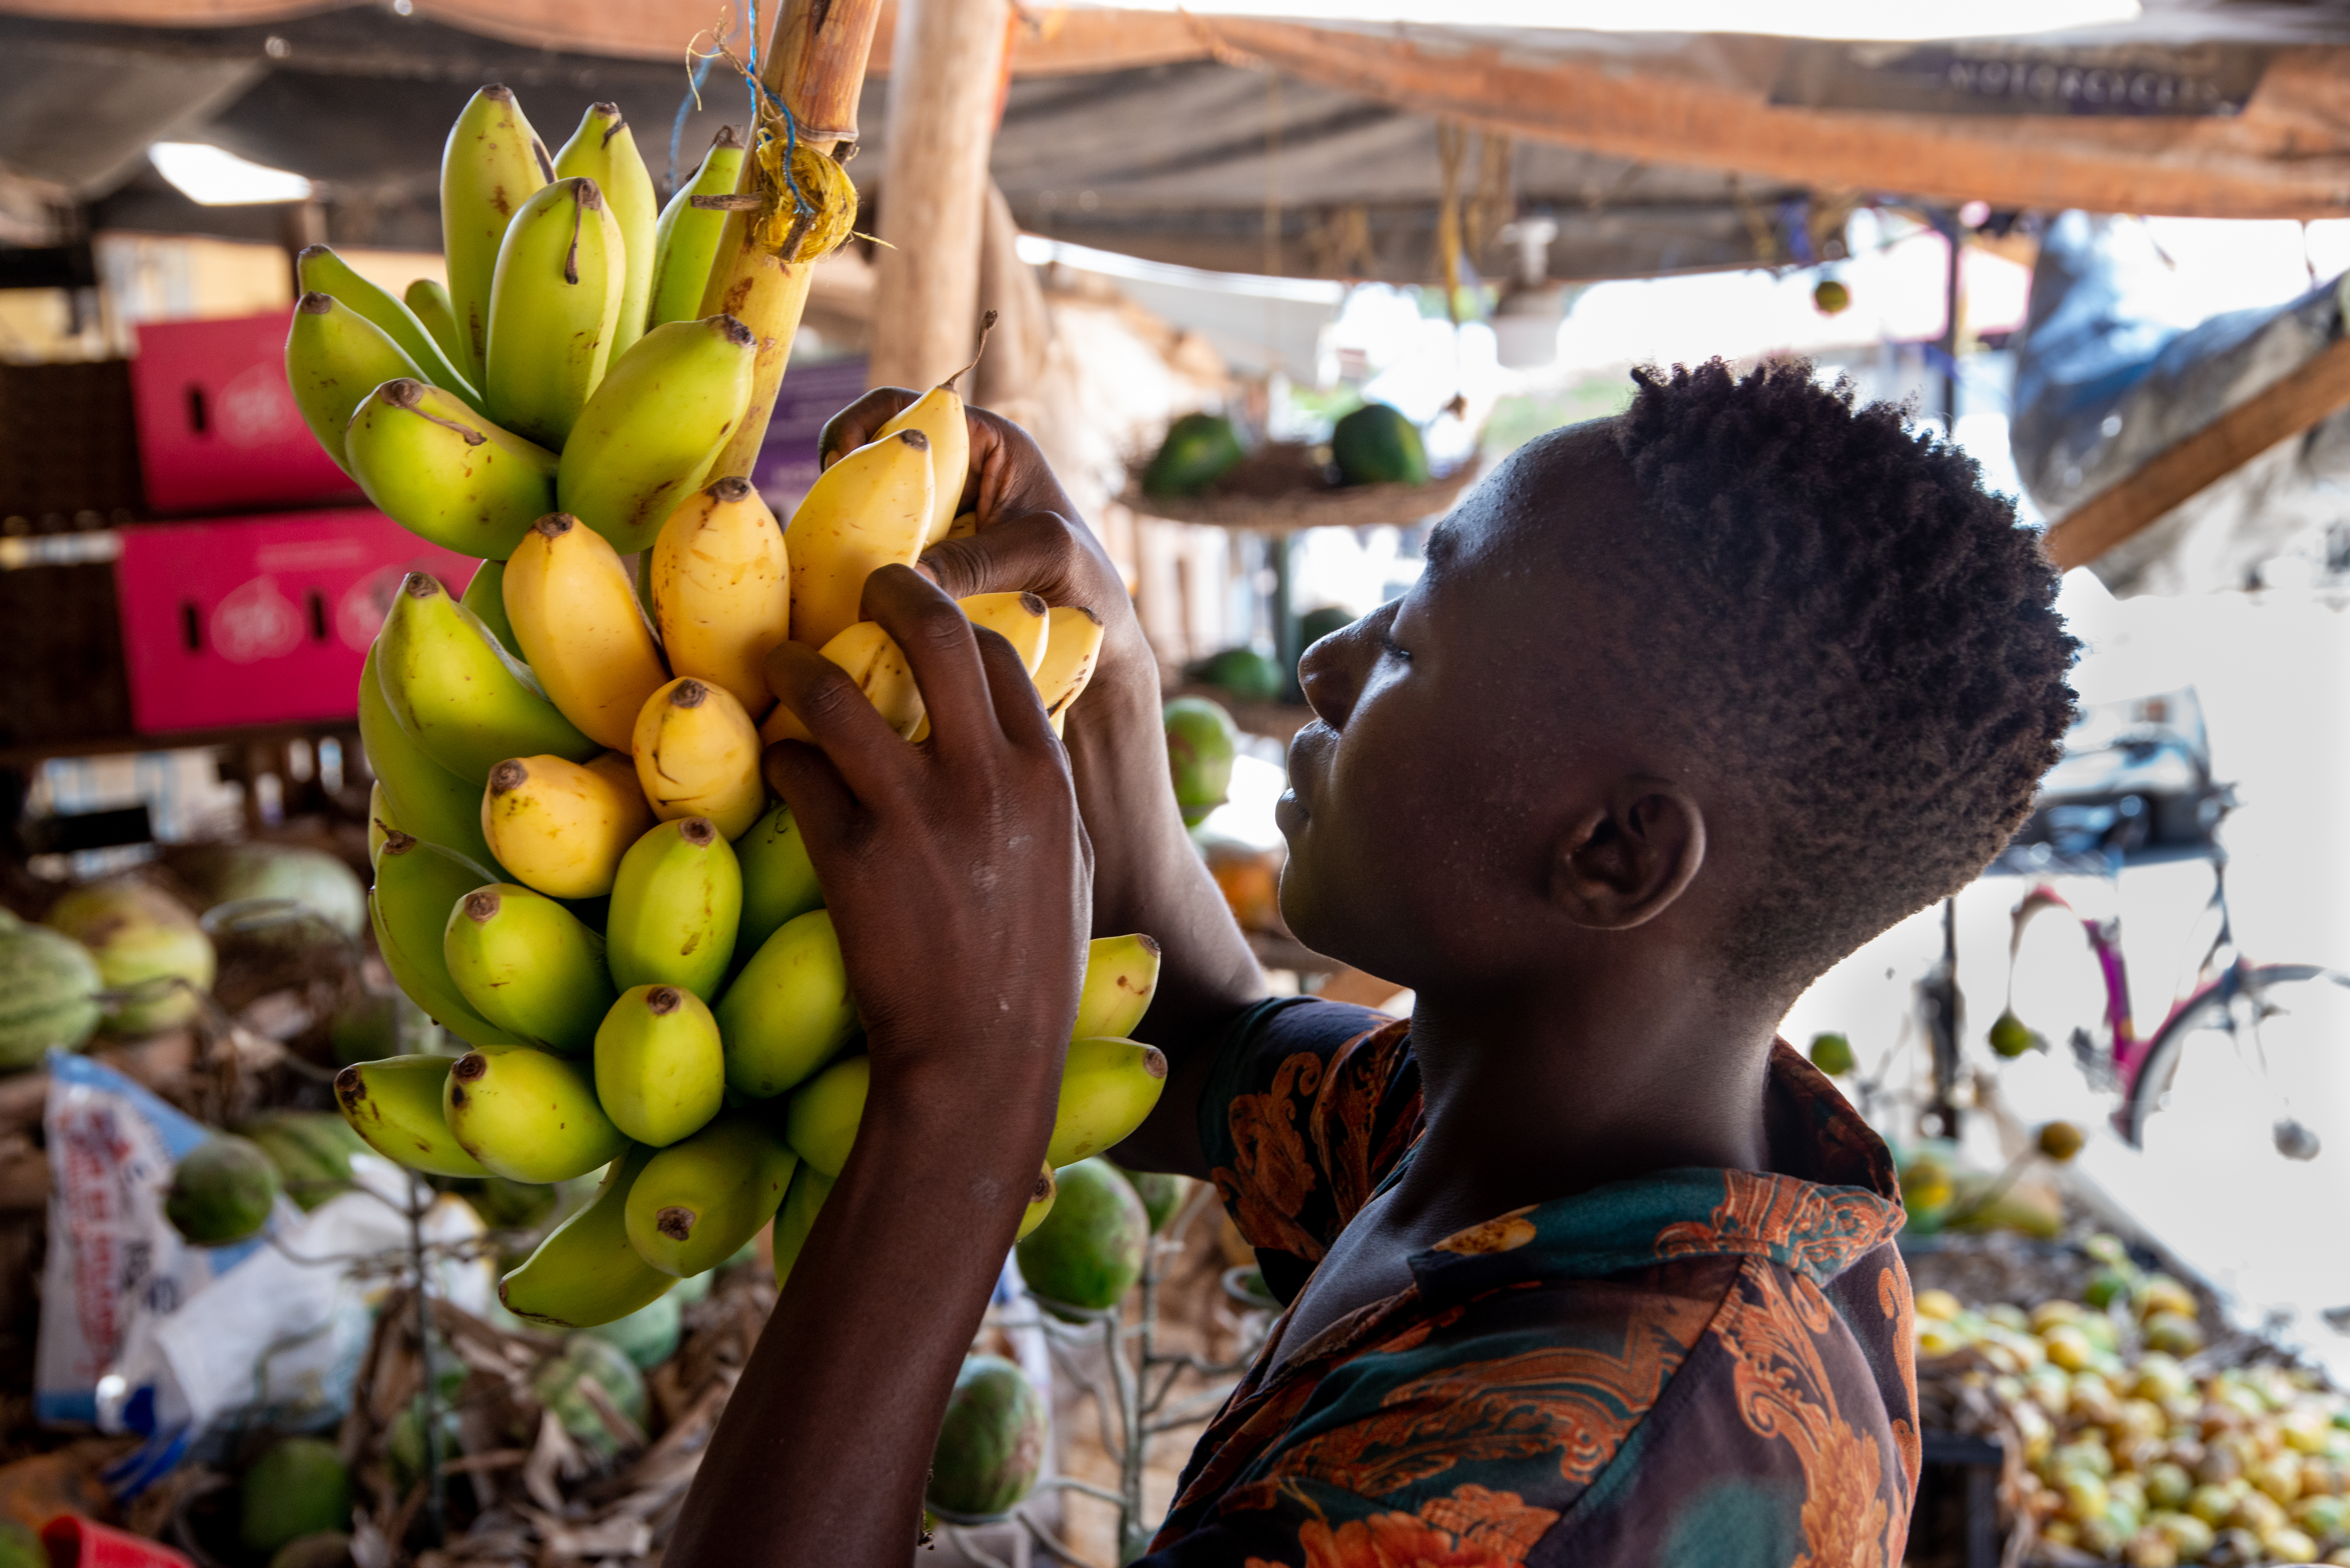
(1844, 609)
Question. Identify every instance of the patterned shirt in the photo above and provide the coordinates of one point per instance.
(1696, 1367)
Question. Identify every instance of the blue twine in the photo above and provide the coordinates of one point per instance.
(684, 107)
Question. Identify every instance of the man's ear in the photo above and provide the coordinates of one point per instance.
(1622, 863)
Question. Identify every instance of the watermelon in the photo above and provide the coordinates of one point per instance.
(1199, 449)
(556, 1385)
(1377, 445)
(142, 937)
(992, 1444)
(48, 989)
(221, 1191)
(1202, 740)
(1090, 1247)
(225, 873)
(298, 1487)
(311, 1150)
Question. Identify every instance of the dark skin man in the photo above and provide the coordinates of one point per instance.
(1484, 809)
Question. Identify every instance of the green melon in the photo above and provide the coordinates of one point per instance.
(1202, 740)
(221, 1191)
(298, 1487)
(225, 873)
(1377, 445)
(311, 1150)
(141, 937)
(48, 989)
(1089, 1249)
(1161, 1192)
(992, 1444)
(1199, 449)
(648, 1335)
(556, 1385)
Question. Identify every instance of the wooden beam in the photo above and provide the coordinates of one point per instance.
(2286, 156)
(2284, 409)
(943, 99)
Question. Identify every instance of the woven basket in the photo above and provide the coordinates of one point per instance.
(1355, 506)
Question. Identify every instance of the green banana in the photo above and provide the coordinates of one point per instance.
(1121, 974)
(416, 886)
(334, 358)
(660, 1074)
(789, 1012)
(604, 150)
(491, 165)
(677, 903)
(426, 798)
(555, 304)
(820, 1121)
(653, 426)
(686, 238)
(485, 595)
(528, 1115)
(1040, 1203)
(802, 1202)
(318, 269)
(381, 820)
(429, 302)
(395, 1105)
(529, 966)
(457, 694)
(778, 880)
(587, 1273)
(446, 474)
(699, 1200)
(1107, 1090)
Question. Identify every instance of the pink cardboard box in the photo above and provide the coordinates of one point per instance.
(217, 427)
(262, 620)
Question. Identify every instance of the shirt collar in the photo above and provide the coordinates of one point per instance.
(1838, 1201)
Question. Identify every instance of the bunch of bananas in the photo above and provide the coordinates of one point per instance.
(577, 868)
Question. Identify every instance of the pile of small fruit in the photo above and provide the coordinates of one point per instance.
(2132, 1452)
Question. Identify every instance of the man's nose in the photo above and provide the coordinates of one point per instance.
(1330, 672)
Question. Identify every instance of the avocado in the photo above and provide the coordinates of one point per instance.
(1199, 449)
(1377, 445)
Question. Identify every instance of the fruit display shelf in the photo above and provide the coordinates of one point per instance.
(1349, 506)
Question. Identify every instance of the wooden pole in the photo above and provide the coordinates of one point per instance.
(946, 69)
(2285, 408)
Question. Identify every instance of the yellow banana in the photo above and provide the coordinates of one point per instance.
(486, 596)
(604, 150)
(554, 307)
(778, 879)
(416, 886)
(802, 1202)
(700, 1199)
(1121, 974)
(381, 820)
(426, 799)
(492, 164)
(334, 358)
(789, 1012)
(560, 827)
(444, 473)
(428, 301)
(1107, 1090)
(870, 508)
(939, 415)
(1040, 1203)
(1071, 651)
(577, 616)
(395, 1105)
(686, 237)
(529, 966)
(720, 591)
(660, 1074)
(648, 436)
(463, 700)
(318, 269)
(1023, 621)
(528, 1115)
(585, 1272)
(697, 755)
(820, 1122)
(676, 904)
(873, 659)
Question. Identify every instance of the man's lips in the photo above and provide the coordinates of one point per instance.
(1293, 810)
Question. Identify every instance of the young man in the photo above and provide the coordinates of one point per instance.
(1583, 1266)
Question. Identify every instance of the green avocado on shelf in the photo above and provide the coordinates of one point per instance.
(1316, 624)
(1199, 449)
(1245, 672)
(1377, 445)
(1202, 740)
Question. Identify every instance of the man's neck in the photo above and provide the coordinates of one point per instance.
(1578, 1083)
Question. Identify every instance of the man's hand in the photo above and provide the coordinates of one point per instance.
(1146, 877)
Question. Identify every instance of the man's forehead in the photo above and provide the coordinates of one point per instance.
(1539, 497)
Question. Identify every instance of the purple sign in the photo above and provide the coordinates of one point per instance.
(810, 395)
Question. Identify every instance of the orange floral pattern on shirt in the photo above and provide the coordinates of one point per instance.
(1784, 1218)
(1472, 1528)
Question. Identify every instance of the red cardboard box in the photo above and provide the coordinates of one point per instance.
(217, 427)
(262, 620)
